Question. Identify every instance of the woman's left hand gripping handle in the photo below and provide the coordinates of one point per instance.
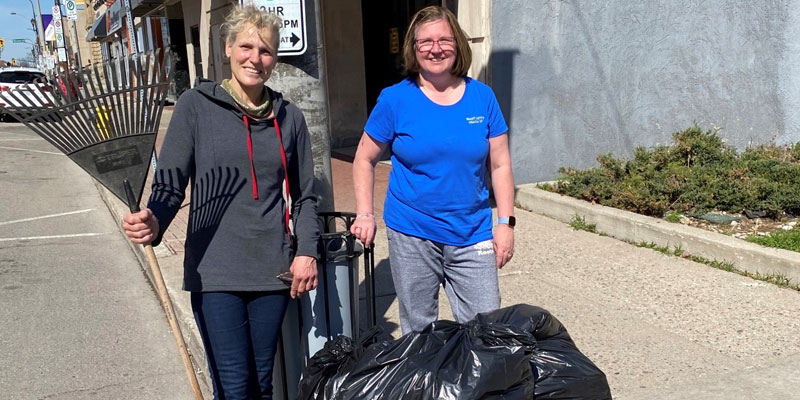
(304, 275)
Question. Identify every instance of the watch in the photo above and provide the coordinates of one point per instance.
(510, 221)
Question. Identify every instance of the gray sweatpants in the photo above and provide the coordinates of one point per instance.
(419, 266)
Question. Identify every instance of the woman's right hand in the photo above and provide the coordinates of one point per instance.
(141, 227)
(364, 228)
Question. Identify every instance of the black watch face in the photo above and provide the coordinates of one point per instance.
(512, 222)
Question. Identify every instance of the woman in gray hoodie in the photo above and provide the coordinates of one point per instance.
(244, 148)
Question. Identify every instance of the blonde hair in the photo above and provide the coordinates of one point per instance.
(241, 16)
(430, 14)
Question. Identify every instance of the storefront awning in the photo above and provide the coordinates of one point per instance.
(98, 30)
(141, 8)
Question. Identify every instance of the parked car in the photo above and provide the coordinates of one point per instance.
(22, 91)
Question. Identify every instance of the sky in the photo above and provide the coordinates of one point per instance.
(19, 26)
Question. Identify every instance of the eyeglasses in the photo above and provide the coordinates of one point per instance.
(445, 43)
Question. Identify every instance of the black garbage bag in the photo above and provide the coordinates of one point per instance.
(325, 371)
(335, 359)
(447, 360)
(560, 370)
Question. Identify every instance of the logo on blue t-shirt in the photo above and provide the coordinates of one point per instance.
(475, 120)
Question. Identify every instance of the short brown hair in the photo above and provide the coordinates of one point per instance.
(239, 17)
(429, 14)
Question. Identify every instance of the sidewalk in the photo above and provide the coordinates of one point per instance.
(660, 327)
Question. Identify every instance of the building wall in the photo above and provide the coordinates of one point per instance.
(90, 51)
(344, 59)
(474, 16)
(580, 78)
(192, 12)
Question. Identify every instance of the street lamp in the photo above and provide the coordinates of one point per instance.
(38, 29)
(33, 20)
(33, 23)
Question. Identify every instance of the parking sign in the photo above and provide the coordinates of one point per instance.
(72, 13)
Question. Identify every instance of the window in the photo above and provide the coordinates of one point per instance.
(19, 76)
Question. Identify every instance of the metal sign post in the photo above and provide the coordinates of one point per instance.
(131, 27)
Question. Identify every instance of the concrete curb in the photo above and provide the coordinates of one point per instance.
(173, 280)
(637, 228)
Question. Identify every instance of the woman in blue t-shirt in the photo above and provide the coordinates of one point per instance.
(442, 128)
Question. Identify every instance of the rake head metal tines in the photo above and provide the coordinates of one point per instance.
(105, 116)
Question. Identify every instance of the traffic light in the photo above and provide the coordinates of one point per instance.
(13, 62)
(2, 43)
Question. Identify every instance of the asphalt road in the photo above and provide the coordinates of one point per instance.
(79, 318)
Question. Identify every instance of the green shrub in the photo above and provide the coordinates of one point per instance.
(696, 174)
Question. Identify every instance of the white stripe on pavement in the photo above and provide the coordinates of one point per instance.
(32, 151)
(46, 216)
(17, 140)
(52, 237)
(16, 133)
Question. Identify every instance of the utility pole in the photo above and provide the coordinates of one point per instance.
(58, 22)
(42, 46)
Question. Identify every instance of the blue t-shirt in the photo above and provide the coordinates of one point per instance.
(437, 187)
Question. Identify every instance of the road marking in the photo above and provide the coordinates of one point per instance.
(16, 133)
(17, 140)
(52, 237)
(32, 151)
(46, 216)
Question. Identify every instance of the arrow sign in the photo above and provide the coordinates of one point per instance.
(293, 41)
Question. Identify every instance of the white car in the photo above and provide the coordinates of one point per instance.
(22, 91)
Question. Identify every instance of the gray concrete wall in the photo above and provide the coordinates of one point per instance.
(578, 78)
(344, 59)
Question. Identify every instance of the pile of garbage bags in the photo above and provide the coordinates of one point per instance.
(518, 352)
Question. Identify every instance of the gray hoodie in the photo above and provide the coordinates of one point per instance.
(237, 238)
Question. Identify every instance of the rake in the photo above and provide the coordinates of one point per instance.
(105, 118)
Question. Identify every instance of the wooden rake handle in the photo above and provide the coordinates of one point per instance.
(163, 295)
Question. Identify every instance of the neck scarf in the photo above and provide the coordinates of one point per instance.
(260, 111)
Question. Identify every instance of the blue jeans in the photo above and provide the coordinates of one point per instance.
(240, 333)
(421, 266)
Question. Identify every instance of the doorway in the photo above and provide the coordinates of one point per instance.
(384, 26)
(194, 33)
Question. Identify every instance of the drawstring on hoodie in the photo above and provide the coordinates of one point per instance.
(286, 214)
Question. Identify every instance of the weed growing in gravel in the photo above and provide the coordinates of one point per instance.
(579, 224)
(673, 217)
(723, 265)
(675, 251)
